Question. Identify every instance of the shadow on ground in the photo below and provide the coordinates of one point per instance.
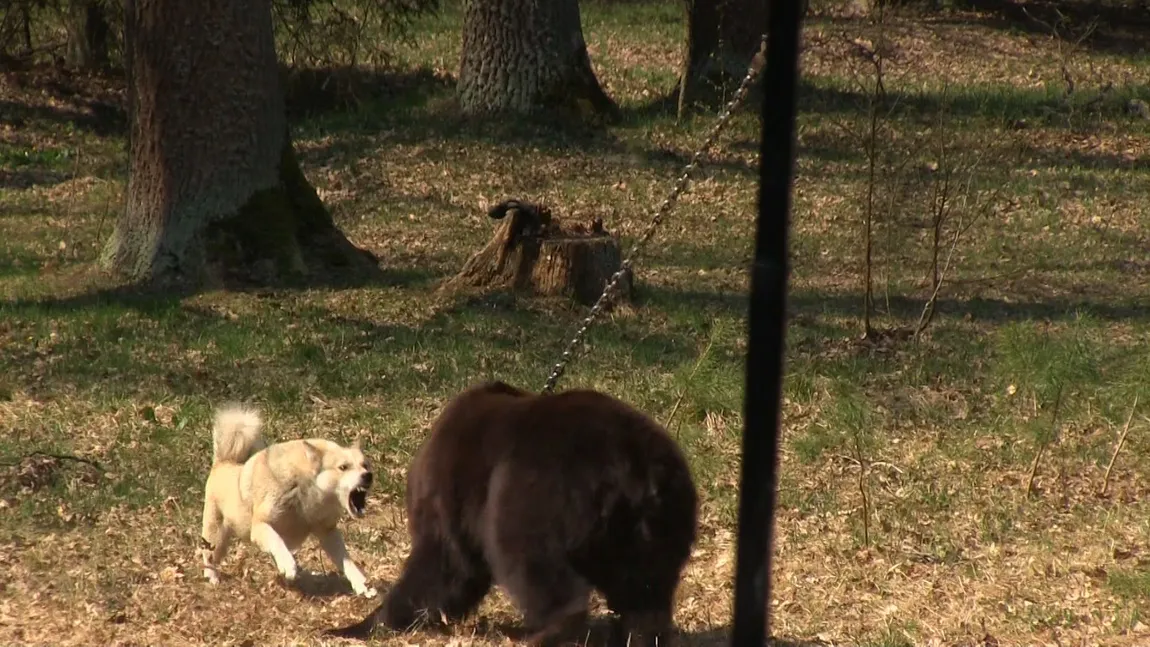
(328, 584)
(355, 111)
(979, 309)
(596, 633)
(144, 297)
(1002, 104)
(25, 178)
(295, 347)
(98, 118)
(1122, 28)
(848, 304)
(421, 108)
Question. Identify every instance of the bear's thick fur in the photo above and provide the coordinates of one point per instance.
(548, 496)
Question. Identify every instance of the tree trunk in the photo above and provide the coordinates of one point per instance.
(723, 37)
(214, 188)
(526, 56)
(27, 16)
(88, 34)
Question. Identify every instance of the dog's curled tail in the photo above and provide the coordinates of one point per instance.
(236, 434)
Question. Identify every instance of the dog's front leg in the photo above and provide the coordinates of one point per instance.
(264, 536)
(332, 543)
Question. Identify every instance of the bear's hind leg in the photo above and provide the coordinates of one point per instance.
(551, 596)
(436, 579)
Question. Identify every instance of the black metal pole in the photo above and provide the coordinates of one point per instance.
(766, 329)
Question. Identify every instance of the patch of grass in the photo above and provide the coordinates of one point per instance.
(813, 443)
(1130, 584)
(1042, 362)
(51, 158)
(891, 637)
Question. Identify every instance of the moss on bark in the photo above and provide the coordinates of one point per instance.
(283, 234)
(723, 38)
(215, 192)
(582, 96)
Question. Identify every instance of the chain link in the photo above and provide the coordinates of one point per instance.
(663, 210)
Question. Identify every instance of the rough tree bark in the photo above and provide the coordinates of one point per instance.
(214, 188)
(722, 38)
(89, 34)
(525, 56)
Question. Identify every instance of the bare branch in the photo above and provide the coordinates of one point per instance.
(1042, 446)
(1118, 448)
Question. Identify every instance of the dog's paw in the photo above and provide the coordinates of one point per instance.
(366, 591)
(290, 576)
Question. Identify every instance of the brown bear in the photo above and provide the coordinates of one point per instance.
(549, 496)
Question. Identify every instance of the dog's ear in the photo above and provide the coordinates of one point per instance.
(313, 453)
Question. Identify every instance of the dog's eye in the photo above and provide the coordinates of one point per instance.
(345, 467)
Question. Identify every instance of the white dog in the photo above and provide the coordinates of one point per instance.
(279, 495)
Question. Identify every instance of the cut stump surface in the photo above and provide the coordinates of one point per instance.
(532, 252)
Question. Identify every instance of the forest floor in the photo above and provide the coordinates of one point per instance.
(1041, 339)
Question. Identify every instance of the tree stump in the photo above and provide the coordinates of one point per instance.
(533, 252)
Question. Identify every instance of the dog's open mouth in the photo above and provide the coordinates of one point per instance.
(357, 502)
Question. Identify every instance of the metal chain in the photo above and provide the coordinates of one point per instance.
(663, 210)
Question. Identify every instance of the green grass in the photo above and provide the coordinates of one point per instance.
(1047, 294)
(1132, 585)
(54, 159)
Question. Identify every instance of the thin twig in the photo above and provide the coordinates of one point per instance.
(851, 459)
(931, 305)
(59, 457)
(942, 205)
(1041, 447)
(862, 489)
(962, 229)
(1118, 448)
(1034, 470)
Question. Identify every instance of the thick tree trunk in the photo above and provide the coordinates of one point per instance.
(723, 37)
(527, 56)
(214, 188)
(88, 34)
